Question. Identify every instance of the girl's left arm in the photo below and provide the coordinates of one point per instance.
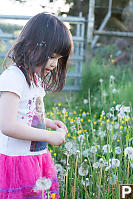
(55, 124)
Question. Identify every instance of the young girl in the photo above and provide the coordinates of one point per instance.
(40, 57)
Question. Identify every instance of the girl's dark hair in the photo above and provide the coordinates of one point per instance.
(43, 35)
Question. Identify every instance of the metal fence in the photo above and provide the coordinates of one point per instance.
(77, 27)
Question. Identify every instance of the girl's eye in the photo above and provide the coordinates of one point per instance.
(51, 57)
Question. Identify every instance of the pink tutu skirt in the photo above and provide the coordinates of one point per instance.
(18, 176)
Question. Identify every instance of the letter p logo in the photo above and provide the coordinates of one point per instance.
(126, 190)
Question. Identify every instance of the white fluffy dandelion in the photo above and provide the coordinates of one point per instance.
(43, 183)
(118, 150)
(114, 163)
(85, 101)
(129, 152)
(83, 171)
(106, 148)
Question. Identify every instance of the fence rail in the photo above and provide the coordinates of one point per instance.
(77, 26)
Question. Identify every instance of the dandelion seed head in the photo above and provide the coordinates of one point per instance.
(118, 150)
(129, 152)
(43, 184)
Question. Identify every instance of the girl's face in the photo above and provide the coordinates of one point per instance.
(51, 64)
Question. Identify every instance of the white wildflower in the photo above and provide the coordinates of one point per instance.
(85, 153)
(64, 110)
(117, 126)
(129, 152)
(93, 149)
(118, 106)
(81, 138)
(102, 113)
(68, 145)
(105, 94)
(112, 77)
(100, 80)
(106, 148)
(83, 114)
(118, 150)
(101, 133)
(96, 165)
(58, 168)
(85, 101)
(43, 184)
(114, 91)
(114, 163)
(83, 171)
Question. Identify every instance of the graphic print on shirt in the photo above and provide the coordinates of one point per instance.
(38, 122)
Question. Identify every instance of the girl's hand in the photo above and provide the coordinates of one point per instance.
(55, 124)
(56, 137)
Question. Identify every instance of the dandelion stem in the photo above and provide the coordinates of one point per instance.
(128, 172)
(42, 194)
(85, 188)
(75, 177)
(67, 176)
(100, 183)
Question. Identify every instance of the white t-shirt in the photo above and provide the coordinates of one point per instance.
(30, 112)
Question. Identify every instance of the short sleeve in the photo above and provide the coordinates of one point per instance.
(13, 80)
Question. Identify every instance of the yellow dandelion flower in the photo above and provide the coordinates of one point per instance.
(121, 127)
(123, 122)
(55, 154)
(104, 117)
(74, 137)
(87, 113)
(114, 102)
(81, 120)
(76, 118)
(95, 115)
(112, 60)
(129, 126)
(101, 116)
(66, 114)
(52, 195)
(53, 108)
(74, 112)
(128, 119)
(59, 104)
(101, 123)
(51, 150)
(79, 115)
(96, 145)
(71, 120)
(85, 130)
(118, 140)
(95, 123)
(89, 121)
(68, 135)
(107, 121)
(113, 122)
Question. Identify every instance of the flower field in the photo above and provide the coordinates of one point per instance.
(98, 153)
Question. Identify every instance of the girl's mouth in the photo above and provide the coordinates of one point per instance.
(47, 70)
